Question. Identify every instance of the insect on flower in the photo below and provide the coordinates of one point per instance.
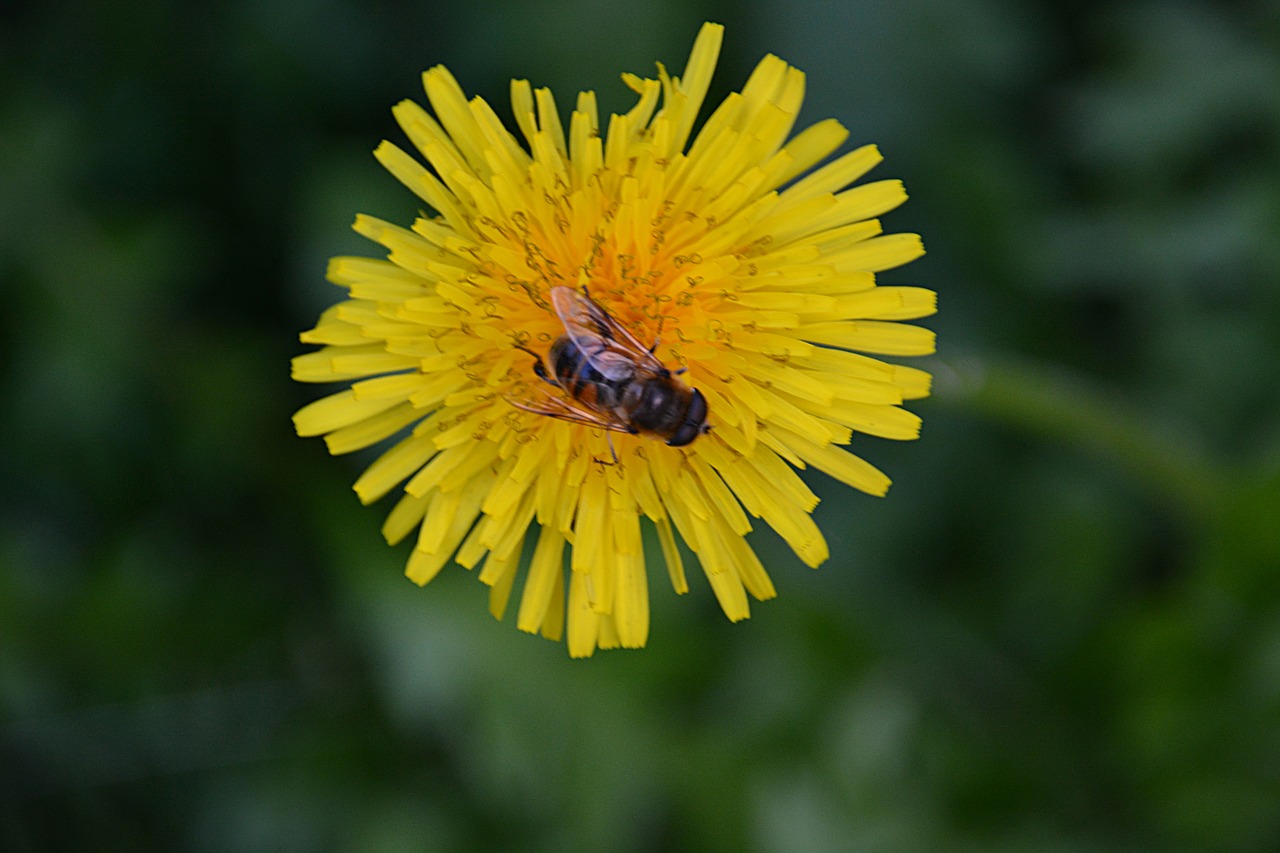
(611, 379)
(731, 332)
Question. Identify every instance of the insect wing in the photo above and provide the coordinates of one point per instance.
(594, 330)
(564, 410)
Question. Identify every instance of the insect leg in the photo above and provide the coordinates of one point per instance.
(657, 335)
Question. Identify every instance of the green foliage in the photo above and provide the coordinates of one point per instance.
(1060, 631)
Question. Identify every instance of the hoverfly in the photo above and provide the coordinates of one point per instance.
(611, 380)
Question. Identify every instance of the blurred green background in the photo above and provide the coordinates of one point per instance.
(1060, 631)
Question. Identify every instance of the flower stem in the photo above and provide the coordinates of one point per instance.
(1049, 402)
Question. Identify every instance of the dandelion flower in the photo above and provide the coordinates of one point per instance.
(753, 273)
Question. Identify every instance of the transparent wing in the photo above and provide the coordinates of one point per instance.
(565, 410)
(595, 332)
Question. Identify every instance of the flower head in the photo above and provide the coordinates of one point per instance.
(751, 284)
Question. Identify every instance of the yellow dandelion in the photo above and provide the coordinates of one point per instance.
(505, 341)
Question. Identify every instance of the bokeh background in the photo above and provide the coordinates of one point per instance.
(1060, 631)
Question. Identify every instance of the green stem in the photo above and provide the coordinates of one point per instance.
(1049, 402)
